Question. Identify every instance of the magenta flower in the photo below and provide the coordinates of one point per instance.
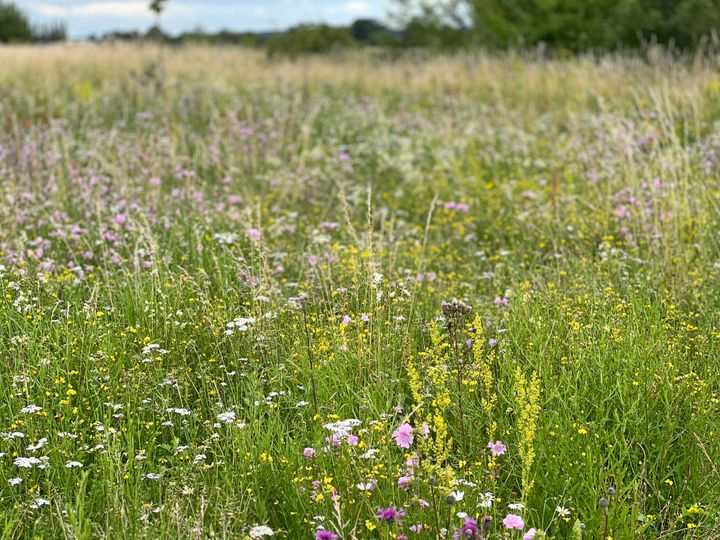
(497, 448)
(390, 515)
(325, 535)
(513, 521)
(404, 436)
(469, 529)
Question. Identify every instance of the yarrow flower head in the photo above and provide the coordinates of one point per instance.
(404, 436)
(260, 531)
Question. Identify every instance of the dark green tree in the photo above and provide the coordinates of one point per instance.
(574, 25)
(14, 25)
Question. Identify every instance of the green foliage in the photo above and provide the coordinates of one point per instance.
(574, 25)
(48, 33)
(308, 39)
(157, 6)
(14, 25)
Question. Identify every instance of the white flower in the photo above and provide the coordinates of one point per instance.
(457, 495)
(39, 502)
(200, 457)
(73, 465)
(31, 409)
(370, 454)
(26, 462)
(151, 476)
(366, 486)
(181, 412)
(486, 500)
(562, 511)
(15, 481)
(38, 445)
(227, 417)
(343, 427)
(516, 506)
(261, 531)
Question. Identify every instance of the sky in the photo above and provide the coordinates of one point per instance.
(86, 17)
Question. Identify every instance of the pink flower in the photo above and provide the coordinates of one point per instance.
(404, 436)
(513, 521)
(497, 448)
(120, 219)
(253, 234)
(404, 482)
(365, 317)
(309, 452)
(530, 534)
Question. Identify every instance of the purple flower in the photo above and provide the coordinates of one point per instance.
(325, 535)
(404, 436)
(309, 452)
(513, 521)
(390, 515)
(497, 448)
(469, 529)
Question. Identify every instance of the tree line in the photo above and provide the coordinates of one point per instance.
(559, 25)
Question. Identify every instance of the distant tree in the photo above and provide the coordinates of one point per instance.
(368, 30)
(14, 25)
(157, 7)
(47, 33)
(308, 39)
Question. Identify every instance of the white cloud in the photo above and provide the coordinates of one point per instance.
(133, 8)
(356, 7)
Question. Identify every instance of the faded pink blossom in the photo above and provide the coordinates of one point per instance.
(404, 436)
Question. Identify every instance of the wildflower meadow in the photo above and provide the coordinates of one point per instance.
(358, 296)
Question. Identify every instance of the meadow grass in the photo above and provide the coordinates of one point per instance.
(358, 297)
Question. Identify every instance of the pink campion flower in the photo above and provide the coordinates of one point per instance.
(404, 436)
(504, 302)
(497, 448)
(365, 317)
(404, 481)
(120, 219)
(347, 319)
(309, 452)
(530, 535)
(513, 521)
(425, 430)
(352, 440)
(253, 234)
